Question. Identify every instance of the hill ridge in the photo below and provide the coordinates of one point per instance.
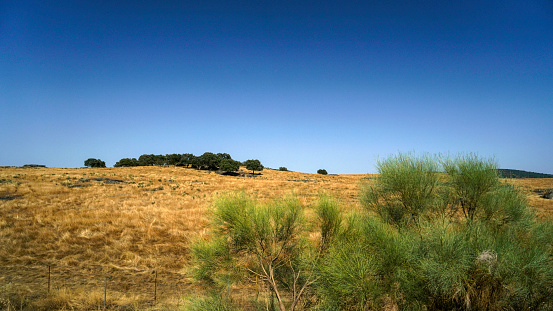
(511, 173)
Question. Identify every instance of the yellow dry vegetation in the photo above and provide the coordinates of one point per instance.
(133, 226)
(123, 223)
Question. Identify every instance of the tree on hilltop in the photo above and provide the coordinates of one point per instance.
(229, 165)
(209, 161)
(127, 162)
(253, 165)
(91, 162)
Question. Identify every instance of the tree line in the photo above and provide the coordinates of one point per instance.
(207, 161)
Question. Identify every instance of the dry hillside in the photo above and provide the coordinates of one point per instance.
(73, 231)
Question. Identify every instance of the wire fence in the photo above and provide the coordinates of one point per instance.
(147, 286)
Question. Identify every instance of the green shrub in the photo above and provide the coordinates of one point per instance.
(413, 251)
(212, 303)
(264, 240)
(406, 188)
(322, 171)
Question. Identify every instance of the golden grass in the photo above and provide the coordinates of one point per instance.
(89, 230)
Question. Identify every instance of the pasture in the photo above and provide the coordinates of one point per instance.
(69, 236)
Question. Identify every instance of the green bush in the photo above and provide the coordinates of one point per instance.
(433, 241)
(264, 240)
(406, 188)
(212, 303)
(322, 171)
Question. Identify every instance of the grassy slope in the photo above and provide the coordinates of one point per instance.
(127, 231)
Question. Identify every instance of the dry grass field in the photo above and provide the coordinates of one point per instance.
(66, 233)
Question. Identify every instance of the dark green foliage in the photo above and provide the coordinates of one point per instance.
(229, 165)
(94, 163)
(283, 169)
(151, 159)
(127, 162)
(322, 171)
(173, 159)
(186, 159)
(224, 156)
(509, 173)
(209, 161)
(253, 165)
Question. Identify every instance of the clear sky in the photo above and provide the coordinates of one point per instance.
(301, 84)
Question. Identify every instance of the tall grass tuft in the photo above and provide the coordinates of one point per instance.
(330, 218)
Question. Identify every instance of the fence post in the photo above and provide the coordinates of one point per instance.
(155, 288)
(48, 279)
(105, 290)
(228, 288)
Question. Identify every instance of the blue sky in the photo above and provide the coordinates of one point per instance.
(300, 84)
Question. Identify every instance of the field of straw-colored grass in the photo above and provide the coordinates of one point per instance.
(85, 227)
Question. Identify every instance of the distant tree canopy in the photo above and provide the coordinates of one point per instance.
(94, 163)
(322, 171)
(126, 162)
(207, 161)
(509, 173)
(253, 165)
(229, 165)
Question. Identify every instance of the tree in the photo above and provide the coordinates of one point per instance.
(173, 159)
(229, 165)
(94, 163)
(187, 159)
(224, 156)
(253, 165)
(127, 162)
(209, 161)
(283, 169)
(322, 171)
(147, 160)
